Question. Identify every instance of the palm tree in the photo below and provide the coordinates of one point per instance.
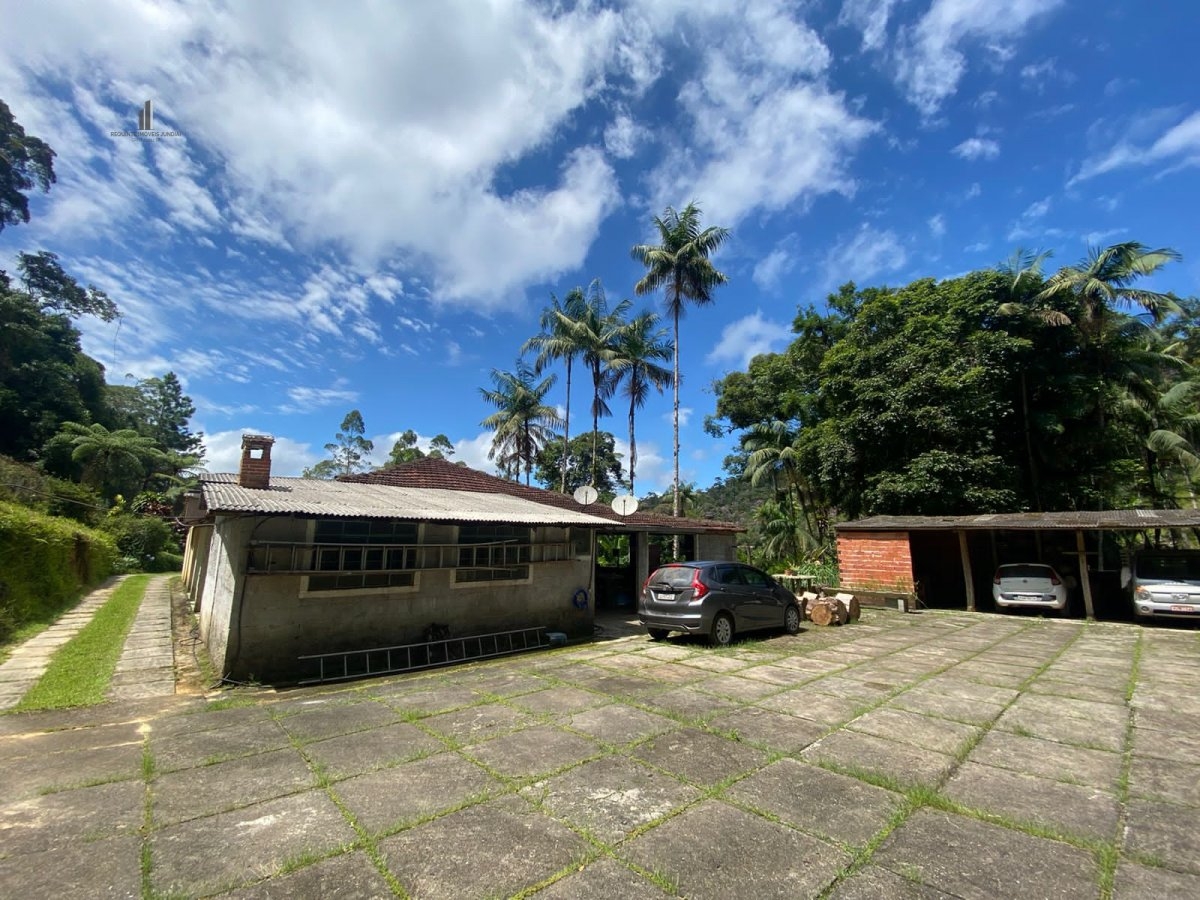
(594, 332)
(641, 344)
(680, 265)
(775, 456)
(522, 421)
(102, 451)
(556, 342)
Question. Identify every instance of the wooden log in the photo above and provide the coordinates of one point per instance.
(806, 601)
(827, 611)
(853, 607)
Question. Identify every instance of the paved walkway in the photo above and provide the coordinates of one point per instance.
(909, 756)
(146, 667)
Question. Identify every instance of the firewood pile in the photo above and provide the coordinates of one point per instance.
(838, 609)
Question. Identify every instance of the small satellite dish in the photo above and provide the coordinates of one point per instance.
(586, 494)
(625, 506)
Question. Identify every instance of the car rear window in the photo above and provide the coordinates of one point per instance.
(675, 576)
(1024, 571)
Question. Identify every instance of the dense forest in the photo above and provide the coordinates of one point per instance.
(1003, 390)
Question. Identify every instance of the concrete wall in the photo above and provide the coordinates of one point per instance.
(716, 546)
(278, 621)
(875, 560)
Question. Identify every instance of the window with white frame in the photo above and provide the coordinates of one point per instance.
(364, 554)
(493, 553)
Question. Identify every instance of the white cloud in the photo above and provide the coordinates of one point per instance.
(870, 17)
(306, 399)
(977, 148)
(937, 225)
(930, 58)
(1029, 223)
(746, 338)
(223, 452)
(623, 136)
(973, 191)
(772, 267)
(977, 247)
(685, 413)
(1178, 146)
(869, 253)
(766, 132)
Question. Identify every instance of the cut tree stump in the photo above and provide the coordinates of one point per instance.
(827, 611)
(853, 607)
(807, 599)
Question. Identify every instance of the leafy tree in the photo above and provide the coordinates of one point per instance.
(405, 449)
(571, 464)
(440, 447)
(45, 378)
(558, 341)
(681, 267)
(349, 449)
(57, 292)
(325, 470)
(640, 346)
(110, 458)
(164, 414)
(26, 162)
(522, 422)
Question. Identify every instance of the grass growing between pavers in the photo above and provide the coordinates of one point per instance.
(1109, 861)
(80, 670)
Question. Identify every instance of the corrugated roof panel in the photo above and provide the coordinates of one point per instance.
(336, 499)
(1109, 519)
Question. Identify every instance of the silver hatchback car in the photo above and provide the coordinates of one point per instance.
(719, 599)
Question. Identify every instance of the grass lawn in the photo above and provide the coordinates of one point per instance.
(81, 669)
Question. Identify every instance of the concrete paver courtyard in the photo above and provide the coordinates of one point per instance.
(925, 756)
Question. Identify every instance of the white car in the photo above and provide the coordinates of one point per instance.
(1029, 585)
(1164, 583)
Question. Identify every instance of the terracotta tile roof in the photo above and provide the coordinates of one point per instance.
(439, 473)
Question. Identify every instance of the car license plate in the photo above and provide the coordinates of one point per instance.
(1029, 596)
(1183, 609)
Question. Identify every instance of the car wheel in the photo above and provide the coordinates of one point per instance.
(722, 631)
(791, 619)
(657, 634)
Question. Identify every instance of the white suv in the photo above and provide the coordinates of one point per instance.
(1164, 583)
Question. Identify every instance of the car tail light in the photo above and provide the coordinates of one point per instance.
(1054, 579)
(699, 588)
(996, 578)
(646, 583)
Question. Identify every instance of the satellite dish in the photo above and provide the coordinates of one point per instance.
(625, 506)
(586, 494)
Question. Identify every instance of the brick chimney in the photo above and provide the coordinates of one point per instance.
(255, 470)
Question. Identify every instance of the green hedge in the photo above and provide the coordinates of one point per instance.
(45, 563)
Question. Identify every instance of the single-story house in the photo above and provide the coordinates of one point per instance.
(281, 569)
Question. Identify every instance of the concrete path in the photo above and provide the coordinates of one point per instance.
(21, 671)
(147, 664)
(907, 756)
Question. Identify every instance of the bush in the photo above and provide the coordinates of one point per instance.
(45, 562)
(72, 501)
(164, 562)
(140, 537)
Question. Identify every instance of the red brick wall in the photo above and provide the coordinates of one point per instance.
(875, 560)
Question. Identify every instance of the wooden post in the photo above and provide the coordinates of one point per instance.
(1084, 580)
(966, 563)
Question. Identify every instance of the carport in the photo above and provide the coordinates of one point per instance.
(948, 561)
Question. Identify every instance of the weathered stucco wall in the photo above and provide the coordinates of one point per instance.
(278, 621)
(716, 546)
(875, 560)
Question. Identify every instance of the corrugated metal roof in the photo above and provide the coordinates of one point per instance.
(339, 499)
(1109, 519)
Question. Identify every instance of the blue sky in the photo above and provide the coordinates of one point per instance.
(368, 205)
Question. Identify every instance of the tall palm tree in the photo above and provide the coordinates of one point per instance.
(594, 331)
(775, 457)
(640, 346)
(680, 265)
(103, 452)
(556, 342)
(522, 422)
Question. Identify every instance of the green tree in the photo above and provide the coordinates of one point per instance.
(349, 449)
(558, 341)
(57, 292)
(325, 470)
(571, 464)
(440, 447)
(26, 162)
(405, 449)
(111, 458)
(164, 414)
(640, 346)
(679, 264)
(594, 332)
(523, 422)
